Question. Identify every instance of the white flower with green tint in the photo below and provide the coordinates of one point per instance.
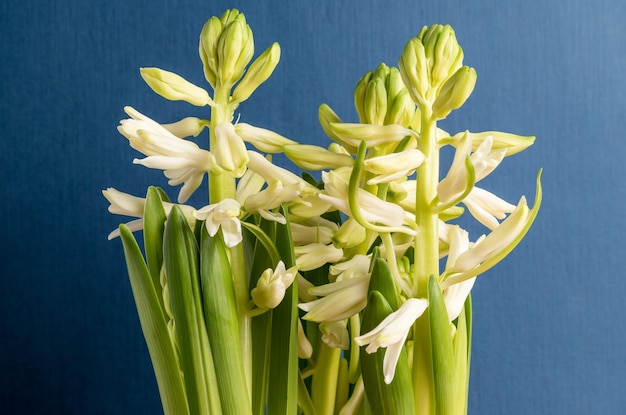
(224, 215)
(271, 286)
(182, 161)
(340, 300)
(391, 334)
(230, 151)
(128, 205)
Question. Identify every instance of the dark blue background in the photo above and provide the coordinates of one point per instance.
(549, 325)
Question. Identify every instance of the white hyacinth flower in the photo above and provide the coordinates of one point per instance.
(454, 296)
(335, 334)
(225, 215)
(391, 333)
(318, 230)
(182, 161)
(356, 267)
(341, 300)
(489, 248)
(270, 198)
(129, 205)
(315, 255)
(373, 209)
(230, 151)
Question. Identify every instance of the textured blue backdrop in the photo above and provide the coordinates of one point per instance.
(549, 326)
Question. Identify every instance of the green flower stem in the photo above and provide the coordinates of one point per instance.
(324, 383)
(426, 262)
(222, 185)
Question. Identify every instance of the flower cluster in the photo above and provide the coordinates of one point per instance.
(363, 244)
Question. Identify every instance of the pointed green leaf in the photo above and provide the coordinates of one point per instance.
(261, 329)
(220, 311)
(441, 345)
(381, 280)
(153, 227)
(283, 370)
(181, 259)
(154, 327)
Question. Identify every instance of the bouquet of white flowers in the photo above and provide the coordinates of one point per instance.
(289, 295)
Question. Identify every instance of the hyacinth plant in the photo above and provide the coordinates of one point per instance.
(285, 295)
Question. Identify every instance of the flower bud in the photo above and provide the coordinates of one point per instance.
(174, 87)
(188, 126)
(455, 92)
(327, 117)
(305, 349)
(265, 140)
(443, 52)
(350, 234)
(414, 70)
(312, 157)
(257, 73)
(428, 61)
(512, 143)
(226, 47)
(381, 98)
(230, 151)
(335, 334)
(235, 49)
(374, 135)
(313, 256)
(271, 286)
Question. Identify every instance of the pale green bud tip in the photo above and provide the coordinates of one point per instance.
(455, 92)
(235, 49)
(414, 70)
(174, 87)
(257, 73)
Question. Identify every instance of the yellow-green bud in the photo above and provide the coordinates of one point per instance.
(414, 70)
(359, 96)
(349, 234)
(429, 60)
(513, 143)
(447, 56)
(207, 48)
(188, 126)
(381, 98)
(265, 140)
(226, 47)
(312, 157)
(235, 49)
(455, 92)
(257, 73)
(327, 117)
(174, 87)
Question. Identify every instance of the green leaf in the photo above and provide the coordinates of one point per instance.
(381, 280)
(220, 311)
(261, 329)
(181, 259)
(442, 352)
(154, 327)
(153, 227)
(395, 398)
(283, 369)
(462, 351)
